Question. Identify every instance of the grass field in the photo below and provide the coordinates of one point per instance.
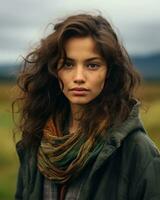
(8, 157)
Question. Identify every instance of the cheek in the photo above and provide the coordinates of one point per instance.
(100, 81)
(62, 81)
(60, 84)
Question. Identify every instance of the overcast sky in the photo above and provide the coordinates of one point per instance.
(23, 22)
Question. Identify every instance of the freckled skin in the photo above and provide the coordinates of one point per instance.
(80, 72)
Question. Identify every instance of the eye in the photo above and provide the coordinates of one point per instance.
(93, 65)
(68, 64)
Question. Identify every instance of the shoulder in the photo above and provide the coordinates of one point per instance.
(25, 152)
(21, 150)
(139, 153)
(139, 144)
(141, 162)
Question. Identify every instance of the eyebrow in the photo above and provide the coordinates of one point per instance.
(87, 60)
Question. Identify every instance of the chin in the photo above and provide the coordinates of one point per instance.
(79, 101)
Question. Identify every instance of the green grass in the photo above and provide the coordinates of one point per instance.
(9, 159)
(151, 121)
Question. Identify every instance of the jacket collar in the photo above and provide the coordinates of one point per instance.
(117, 134)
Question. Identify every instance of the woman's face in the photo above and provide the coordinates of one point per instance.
(84, 71)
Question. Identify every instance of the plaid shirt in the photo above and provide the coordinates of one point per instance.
(51, 190)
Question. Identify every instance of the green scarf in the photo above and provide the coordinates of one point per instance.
(61, 158)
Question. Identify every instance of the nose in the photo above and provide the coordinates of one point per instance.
(79, 75)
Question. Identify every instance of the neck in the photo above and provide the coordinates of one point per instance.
(76, 112)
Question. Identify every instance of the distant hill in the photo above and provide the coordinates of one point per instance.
(148, 66)
(8, 72)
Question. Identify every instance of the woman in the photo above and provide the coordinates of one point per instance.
(81, 133)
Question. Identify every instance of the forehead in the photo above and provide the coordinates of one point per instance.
(81, 46)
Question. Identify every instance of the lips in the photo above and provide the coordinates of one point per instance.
(79, 89)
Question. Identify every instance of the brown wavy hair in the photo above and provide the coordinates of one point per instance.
(40, 95)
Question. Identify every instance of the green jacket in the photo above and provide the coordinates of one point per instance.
(127, 168)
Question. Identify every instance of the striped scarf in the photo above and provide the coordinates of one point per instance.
(61, 158)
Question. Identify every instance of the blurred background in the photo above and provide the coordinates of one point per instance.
(23, 24)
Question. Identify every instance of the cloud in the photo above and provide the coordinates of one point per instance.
(23, 22)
